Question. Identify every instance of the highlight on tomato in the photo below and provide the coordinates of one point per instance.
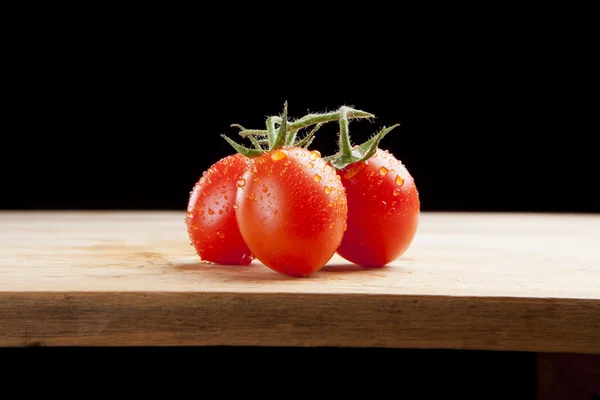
(383, 201)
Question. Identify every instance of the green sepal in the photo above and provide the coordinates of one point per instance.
(360, 153)
(243, 150)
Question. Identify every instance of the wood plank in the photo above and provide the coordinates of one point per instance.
(528, 282)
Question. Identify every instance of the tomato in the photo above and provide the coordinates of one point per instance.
(291, 210)
(383, 210)
(210, 218)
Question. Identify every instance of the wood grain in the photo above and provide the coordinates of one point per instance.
(528, 282)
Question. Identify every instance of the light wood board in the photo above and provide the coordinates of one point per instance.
(528, 282)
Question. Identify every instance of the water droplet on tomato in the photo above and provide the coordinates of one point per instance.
(383, 204)
(278, 155)
(257, 179)
(220, 234)
(194, 227)
(327, 190)
(383, 171)
(246, 259)
(189, 215)
(396, 192)
(275, 212)
(220, 212)
(399, 180)
(314, 155)
(317, 177)
(354, 169)
(241, 182)
(311, 165)
(251, 196)
(345, 227)
(210, 211)
(265, 189)
(235, 206)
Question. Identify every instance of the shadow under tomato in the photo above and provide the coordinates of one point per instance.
(257, 272)
(349, 267)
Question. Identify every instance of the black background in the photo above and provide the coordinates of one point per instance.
(123, 110)
(127, 115)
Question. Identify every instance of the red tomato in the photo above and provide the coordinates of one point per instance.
(210, 218)
(383, 210)
(291, 210)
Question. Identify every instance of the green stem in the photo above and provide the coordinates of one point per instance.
(312, 119)
(345, 145)
(280, 138)
(306, 121)
(270, 133)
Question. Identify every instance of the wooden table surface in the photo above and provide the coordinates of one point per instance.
(527, 282)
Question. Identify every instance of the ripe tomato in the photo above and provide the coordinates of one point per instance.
(210, 217)
(291, 210)
(383, 210)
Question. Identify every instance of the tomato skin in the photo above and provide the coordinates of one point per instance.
(210, 217)
(291, 210)
(383, 210)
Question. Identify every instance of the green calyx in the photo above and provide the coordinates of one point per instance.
(286, 135)
(347, 154)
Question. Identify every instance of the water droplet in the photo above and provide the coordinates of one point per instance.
(396, 192)
(241, 182)
(330, 204)
(220, 212)
(189, 215)
(210, 211)
(399, 180)
(314, 155)
(194, 227)
(201, 212)
(311, 165)
(354, 169)
(383, 171)
(246, 259)
(275, 212)
(235, 206)
(257, 179)
(220, 234)
(345, 227)
(251, 196)
(265, 189)
(278, 155)
(327, 190)
(383, 204)
(317, 177)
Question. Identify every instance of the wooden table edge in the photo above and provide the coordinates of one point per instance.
(161, 318)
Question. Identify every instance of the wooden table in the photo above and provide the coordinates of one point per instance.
(526, 282)
(519, 282)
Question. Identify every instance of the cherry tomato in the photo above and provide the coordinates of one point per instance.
(291, 210)
(383, 210)
(210, 218)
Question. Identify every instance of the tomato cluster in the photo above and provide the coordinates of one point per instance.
(291, 209)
